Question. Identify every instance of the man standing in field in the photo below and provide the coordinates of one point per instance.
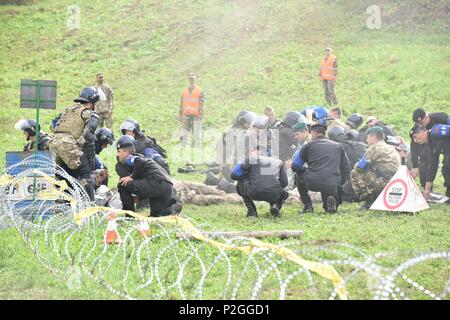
(191, 111)
(328, 72)
(105, 106)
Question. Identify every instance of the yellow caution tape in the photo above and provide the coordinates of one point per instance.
(321, 269)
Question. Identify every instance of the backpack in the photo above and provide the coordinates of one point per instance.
(153, 143)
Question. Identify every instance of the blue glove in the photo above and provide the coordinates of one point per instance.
(362, 164)
(440, 131)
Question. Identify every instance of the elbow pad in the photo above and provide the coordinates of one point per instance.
(93, 122)
(363, 164)
(440, 131)
(129, 161)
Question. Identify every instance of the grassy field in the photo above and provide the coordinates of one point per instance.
(247, 55)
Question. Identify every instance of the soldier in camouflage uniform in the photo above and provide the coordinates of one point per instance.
(74, 143)
(105, 106)
(376, 168)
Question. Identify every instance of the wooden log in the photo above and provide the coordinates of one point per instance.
(282, 234)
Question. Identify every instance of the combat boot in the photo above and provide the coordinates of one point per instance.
(251, 209)
(368, 202)
(331, 204)
(211, 179)
(187, 169)
(275, 210)
(307, 208)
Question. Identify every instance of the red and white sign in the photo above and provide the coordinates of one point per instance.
(401, 194)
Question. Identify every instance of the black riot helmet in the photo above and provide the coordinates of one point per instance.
(352, 134)
(125, 141)
(245, 117)
(104, 136)
(132, 125)
(88, 94)
(336, 133)
(354, 120)
(291, 118)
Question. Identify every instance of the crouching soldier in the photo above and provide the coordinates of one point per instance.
(144, 178)
(73, 143)
(327, 170)
(261, 178)
(376, 168)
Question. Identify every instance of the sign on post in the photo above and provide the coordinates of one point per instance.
(38, 94)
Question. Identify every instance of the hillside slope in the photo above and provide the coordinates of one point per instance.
(247, 54)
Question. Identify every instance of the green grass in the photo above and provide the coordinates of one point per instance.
(247, 54)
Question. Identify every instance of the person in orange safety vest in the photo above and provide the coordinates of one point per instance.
(191, 111)
(328, 73)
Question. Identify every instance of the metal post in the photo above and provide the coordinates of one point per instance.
(36, 144)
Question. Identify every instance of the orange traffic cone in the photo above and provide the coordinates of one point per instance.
(111, 235)
(144, 229)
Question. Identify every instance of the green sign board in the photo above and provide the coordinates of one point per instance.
(38, 94)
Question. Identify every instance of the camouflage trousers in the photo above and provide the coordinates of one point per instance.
(367, 184)
(203, 195)
(330, 95)
(67, 150)
(106, 120)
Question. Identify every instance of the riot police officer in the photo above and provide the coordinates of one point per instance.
(144, 145)
(144, 178)
(328, 168)
(354, 149)
(261, 178)
(103, 138)
(29, 129)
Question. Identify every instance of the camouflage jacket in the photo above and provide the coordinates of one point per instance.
(108, 104)
(384, 158)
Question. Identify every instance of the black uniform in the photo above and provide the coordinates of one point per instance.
(261, 179)
(328, 169)
(149, 181)
(438, 146)
(286, 142)
(421, 154)
(43, 138)
(354, 150)
(145, 146)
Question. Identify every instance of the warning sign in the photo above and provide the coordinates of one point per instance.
(395, 194)
(401, 194)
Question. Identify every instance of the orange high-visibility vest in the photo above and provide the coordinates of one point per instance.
(326, 68)
(191, 102)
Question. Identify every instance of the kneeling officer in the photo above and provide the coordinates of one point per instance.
(144, 178)
(261, 178)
